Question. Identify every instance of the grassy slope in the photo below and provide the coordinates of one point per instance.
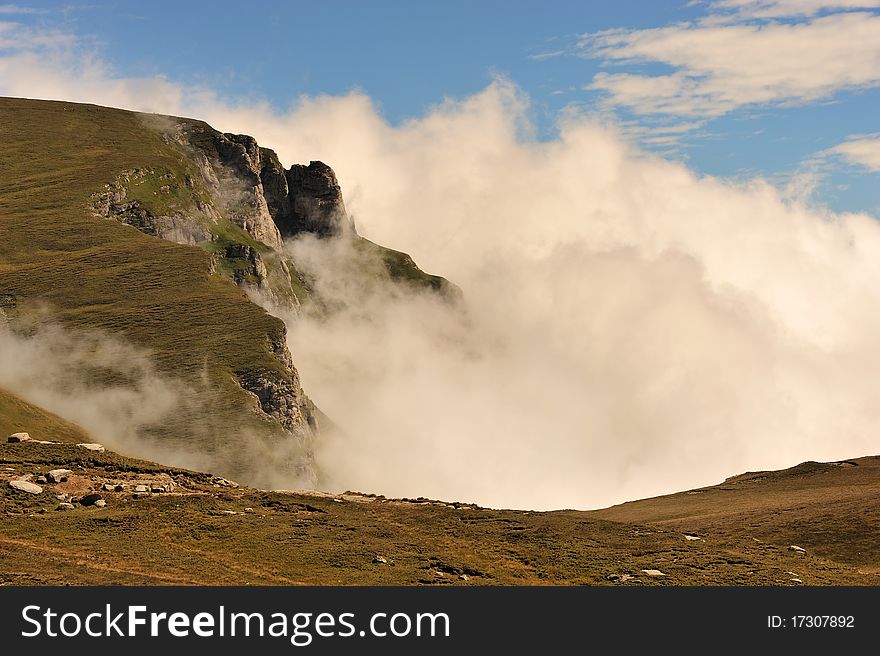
(208, 534)
(18, 415)
(830, 509)
(102, 274)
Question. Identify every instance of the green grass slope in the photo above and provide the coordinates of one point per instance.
(201, 530)
(16, 415)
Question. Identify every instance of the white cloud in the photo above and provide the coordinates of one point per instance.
(718, 68)
(862, 150)
(633, 328)
(19, 9)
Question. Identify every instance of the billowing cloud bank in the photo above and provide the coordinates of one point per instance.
(632, 329)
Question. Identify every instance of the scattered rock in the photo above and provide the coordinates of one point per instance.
(26, 486)
(91, 499)
(381, 560)
(19, 437)
(61, 497)
(797, 549)
(653, 572)
(58, 475)
(100, 503)
(107, 487)
(157, 489)
(141, 488)
(92, 446)
(692, 537)
(65, 506)
(42, 480)
(119, 488)
(621, 578)
(796, 581)
(464, 577)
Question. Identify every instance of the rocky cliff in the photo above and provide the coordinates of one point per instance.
(228, 195)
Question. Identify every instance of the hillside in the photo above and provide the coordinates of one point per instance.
(151, 230)
(184, 527)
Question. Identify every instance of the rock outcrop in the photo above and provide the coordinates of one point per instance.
(231, 166)
(117, 201)
(279, 393)
(315, 202)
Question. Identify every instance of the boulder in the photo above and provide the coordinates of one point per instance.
(42, 480)
(58, 475)
(65, 506)
(91, 446)
(141, 488)
(652, 572)
(19, 437)
(26, 486)
(91, 499)
(100, 503)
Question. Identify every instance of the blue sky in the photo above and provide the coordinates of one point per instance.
(409, 56)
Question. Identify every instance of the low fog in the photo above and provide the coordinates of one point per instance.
(114, 391)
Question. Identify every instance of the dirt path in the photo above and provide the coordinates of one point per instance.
(83, 560)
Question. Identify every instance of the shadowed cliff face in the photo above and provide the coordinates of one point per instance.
(316, 204)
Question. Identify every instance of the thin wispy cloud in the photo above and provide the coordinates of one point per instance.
(547, 55)
(790, 8)
(18, 9)
(18, 37)
(719, 67)
(860, 150)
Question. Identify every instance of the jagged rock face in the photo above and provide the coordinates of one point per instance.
(316, 204)
(231, 166)
(281, 395)
(275, 189)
